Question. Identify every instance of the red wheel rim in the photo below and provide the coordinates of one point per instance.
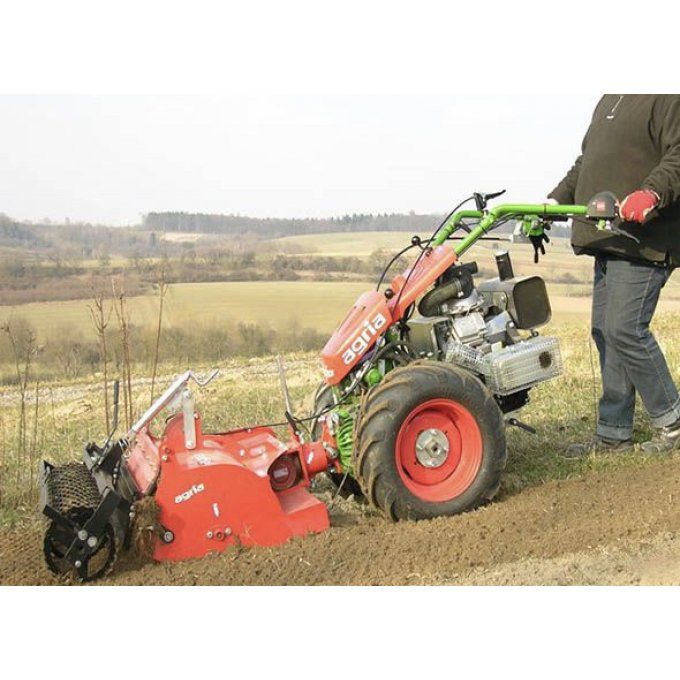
(454, 428)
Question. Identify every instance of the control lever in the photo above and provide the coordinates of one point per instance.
(614, 227)
(481, 200)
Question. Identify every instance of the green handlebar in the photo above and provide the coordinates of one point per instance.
(453, 223)
(488, 220)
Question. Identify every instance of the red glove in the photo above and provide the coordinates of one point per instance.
(638, 205)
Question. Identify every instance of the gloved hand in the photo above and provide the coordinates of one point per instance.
(638, 205)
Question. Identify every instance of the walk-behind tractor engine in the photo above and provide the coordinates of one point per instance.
(420, 380)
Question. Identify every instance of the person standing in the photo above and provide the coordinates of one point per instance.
(632, 148)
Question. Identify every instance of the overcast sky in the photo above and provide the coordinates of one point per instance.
(110, 159)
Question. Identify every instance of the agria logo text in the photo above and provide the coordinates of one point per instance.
(364, 339)
(196, 488)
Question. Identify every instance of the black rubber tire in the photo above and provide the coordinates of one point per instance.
(323, 399)
(383, 411)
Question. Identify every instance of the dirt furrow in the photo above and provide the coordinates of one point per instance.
(613, 510)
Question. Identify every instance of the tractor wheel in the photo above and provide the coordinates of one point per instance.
(430, 442)
(350, 487)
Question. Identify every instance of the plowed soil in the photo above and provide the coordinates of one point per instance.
(610, 527)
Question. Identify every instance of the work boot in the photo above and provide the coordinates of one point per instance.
(597, 445)
(665, 441)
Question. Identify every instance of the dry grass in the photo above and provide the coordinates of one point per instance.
(73, 414)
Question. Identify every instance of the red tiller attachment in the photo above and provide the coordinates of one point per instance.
(211, 490)
(244, 486)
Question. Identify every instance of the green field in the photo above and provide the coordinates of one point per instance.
(363, 243)
(345, 244)
(558, 265)
(311, 304)
(319, 305)
(559, 262)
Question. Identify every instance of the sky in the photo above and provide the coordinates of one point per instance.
(111, 159)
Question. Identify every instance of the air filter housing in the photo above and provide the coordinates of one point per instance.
(525, 298)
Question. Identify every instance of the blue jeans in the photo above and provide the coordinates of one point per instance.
(625, 295)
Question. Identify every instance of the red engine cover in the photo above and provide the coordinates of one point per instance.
(372, 314)
(368, 319)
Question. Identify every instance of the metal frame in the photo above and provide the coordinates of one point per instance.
(167, 398)
(488, 219)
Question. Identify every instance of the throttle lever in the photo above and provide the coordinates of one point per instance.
(481, 200)
(604, 207)
(490, 197)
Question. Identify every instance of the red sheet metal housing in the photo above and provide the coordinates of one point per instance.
(365, 322)
(220, 492)
(372, 314)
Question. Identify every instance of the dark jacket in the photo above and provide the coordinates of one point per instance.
(633, 143)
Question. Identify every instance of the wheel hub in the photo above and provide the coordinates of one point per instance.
(438, 450)
(432, 448)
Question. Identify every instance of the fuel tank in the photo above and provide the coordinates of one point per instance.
(366, 321)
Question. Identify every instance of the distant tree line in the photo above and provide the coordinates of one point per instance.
(72, 241)
(268, 227)
(272, 226)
